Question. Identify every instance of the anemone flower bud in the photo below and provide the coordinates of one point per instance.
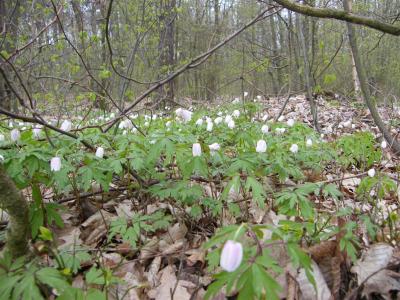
(231, 124)
(309, 142)
(231, 256)
(55, 164)
(199, 122)
(15, 135)
(2, 138)
(294, 148)
(196, 149)
(214, 147)
(210, 126)
(100, 152)
(383, 144)
(371, 172)
(236, 113)
(66, 125)
(261, 146)
(290, 122)
(265, 129)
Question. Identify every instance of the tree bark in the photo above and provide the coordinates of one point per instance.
(362, 77)
(12, 201)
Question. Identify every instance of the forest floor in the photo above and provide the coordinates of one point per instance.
(171, 263)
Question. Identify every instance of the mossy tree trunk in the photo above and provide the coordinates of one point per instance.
(12, 201)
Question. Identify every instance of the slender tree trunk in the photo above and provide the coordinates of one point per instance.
(12, 201)
(362, 77)
(309, 87)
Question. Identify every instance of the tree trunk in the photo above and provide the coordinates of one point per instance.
(12, 201)
(362, 77)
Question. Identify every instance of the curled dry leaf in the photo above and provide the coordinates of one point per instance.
(95, 227)
(152, 273)
(371, 272)
(308, 292)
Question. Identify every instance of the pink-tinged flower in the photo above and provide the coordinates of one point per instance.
(261, 146)
(15, 135)
(196, 149)
(55, 164)
(231, 256)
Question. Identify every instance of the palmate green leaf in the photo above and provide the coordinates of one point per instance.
(73, 261)
(36, 218)
(332, 190)
(95, 276)
(53, 278)
(53, 215)
(27, 288)
(7, 284)
(257, 191)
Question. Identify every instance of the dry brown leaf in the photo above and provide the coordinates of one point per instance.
(152, 273)
(308, 291)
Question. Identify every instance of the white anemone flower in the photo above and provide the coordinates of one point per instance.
(217, 120)
(371, 172)
(261, 146)
(55, 164)
(236, 113)
(199, 122)
(309, 142)
(168, 124)
(210, 126)
(383, 144)
(228, 118)
(265, 129)
(36, 132)
(196, 149)
(245, 94)
(280, 130)
(231, 256)
(231, 124)
(15, 135)
(294, 148)
(66, 125)
(100, 152)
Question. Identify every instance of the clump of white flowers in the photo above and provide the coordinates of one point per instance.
(261, 146)
(294, 148)
(196, 149)
(231, 256)
(55, 164)
(66, 125)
